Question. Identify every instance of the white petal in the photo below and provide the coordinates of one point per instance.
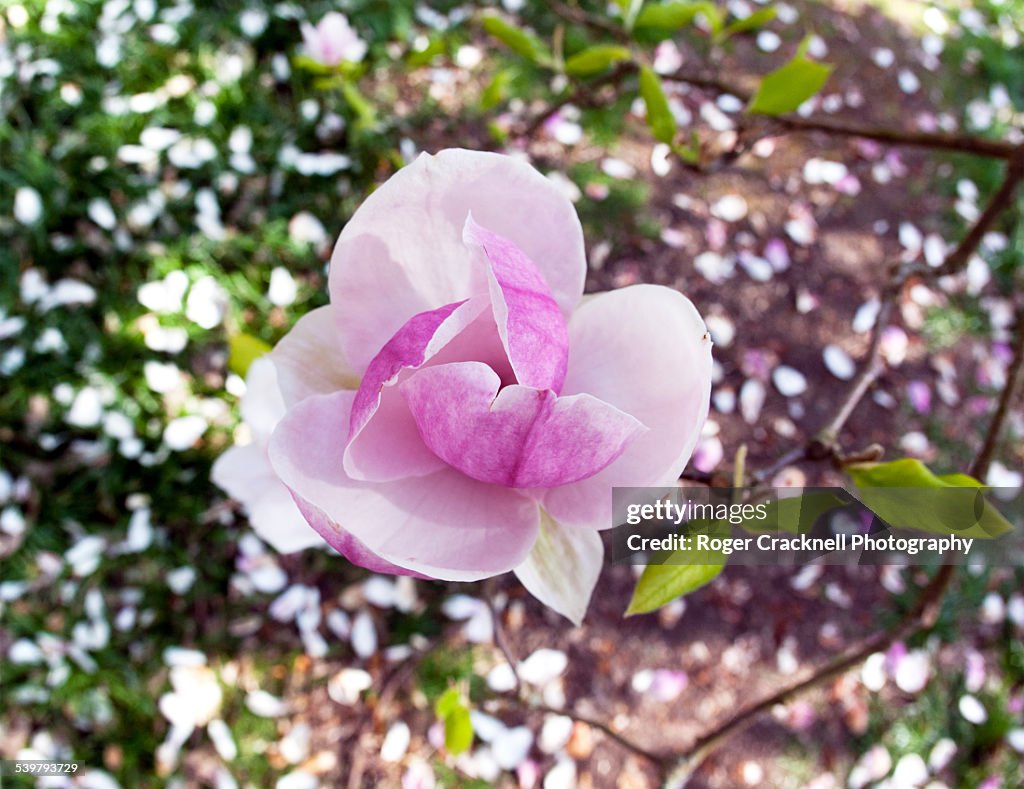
(562, 568)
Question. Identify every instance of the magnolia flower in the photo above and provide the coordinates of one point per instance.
(333, 41)
(244, 471)
(457, 411)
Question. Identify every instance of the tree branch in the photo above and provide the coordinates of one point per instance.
(920, 617)
(1014, 376)
(962, 143)
(573, 13)
(500, 639)
(521, 701)
(1001, 200)
(659, 761)
(824, 444)
(874, 366)
(925, 611)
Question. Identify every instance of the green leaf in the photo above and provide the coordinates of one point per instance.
(307, 63)
(446, 702)
(689, 153)
(458, 728)
(497, 91)
(365, 115)
(753, 22)
(679, 572)
(666, 18)
(906, 473)
(659, 117)
(458, 731)
(949, 504)
(789, 86)
(518, 40)
(663, 583)
(243, 350)
(594, 60)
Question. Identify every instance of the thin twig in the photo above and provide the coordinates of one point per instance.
(573, 13)
(874, 366)
(520, 699)
(1014, 376)
(824, 443)
(707, 81)
(920, 617)
(659, 761)
(520, 703)
(925, 611)
(793, 456)
(962, 143)
(1001, 200)
(500, 638)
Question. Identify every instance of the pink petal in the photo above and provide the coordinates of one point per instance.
(667, 684)
(920, 396)
(309, 359)
(646, 351)
(520, 437)
(402, 252)
(531, 326)
(384, 444)
(344, 543)
(443, 525)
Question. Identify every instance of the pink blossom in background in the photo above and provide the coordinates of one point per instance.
(776, 254)
(456, 412)
(333, 40)
(667, 685)
(920, 396)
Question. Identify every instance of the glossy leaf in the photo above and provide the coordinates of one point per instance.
(671, 16)
(679, 572)
(458, 732)
(365, 115)
(496, 91)
(458, 728)
(594, 60)
(789, 86)
(662, 583)
(924, 501)
(518, 40)
(662, 19)
(659, 116)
